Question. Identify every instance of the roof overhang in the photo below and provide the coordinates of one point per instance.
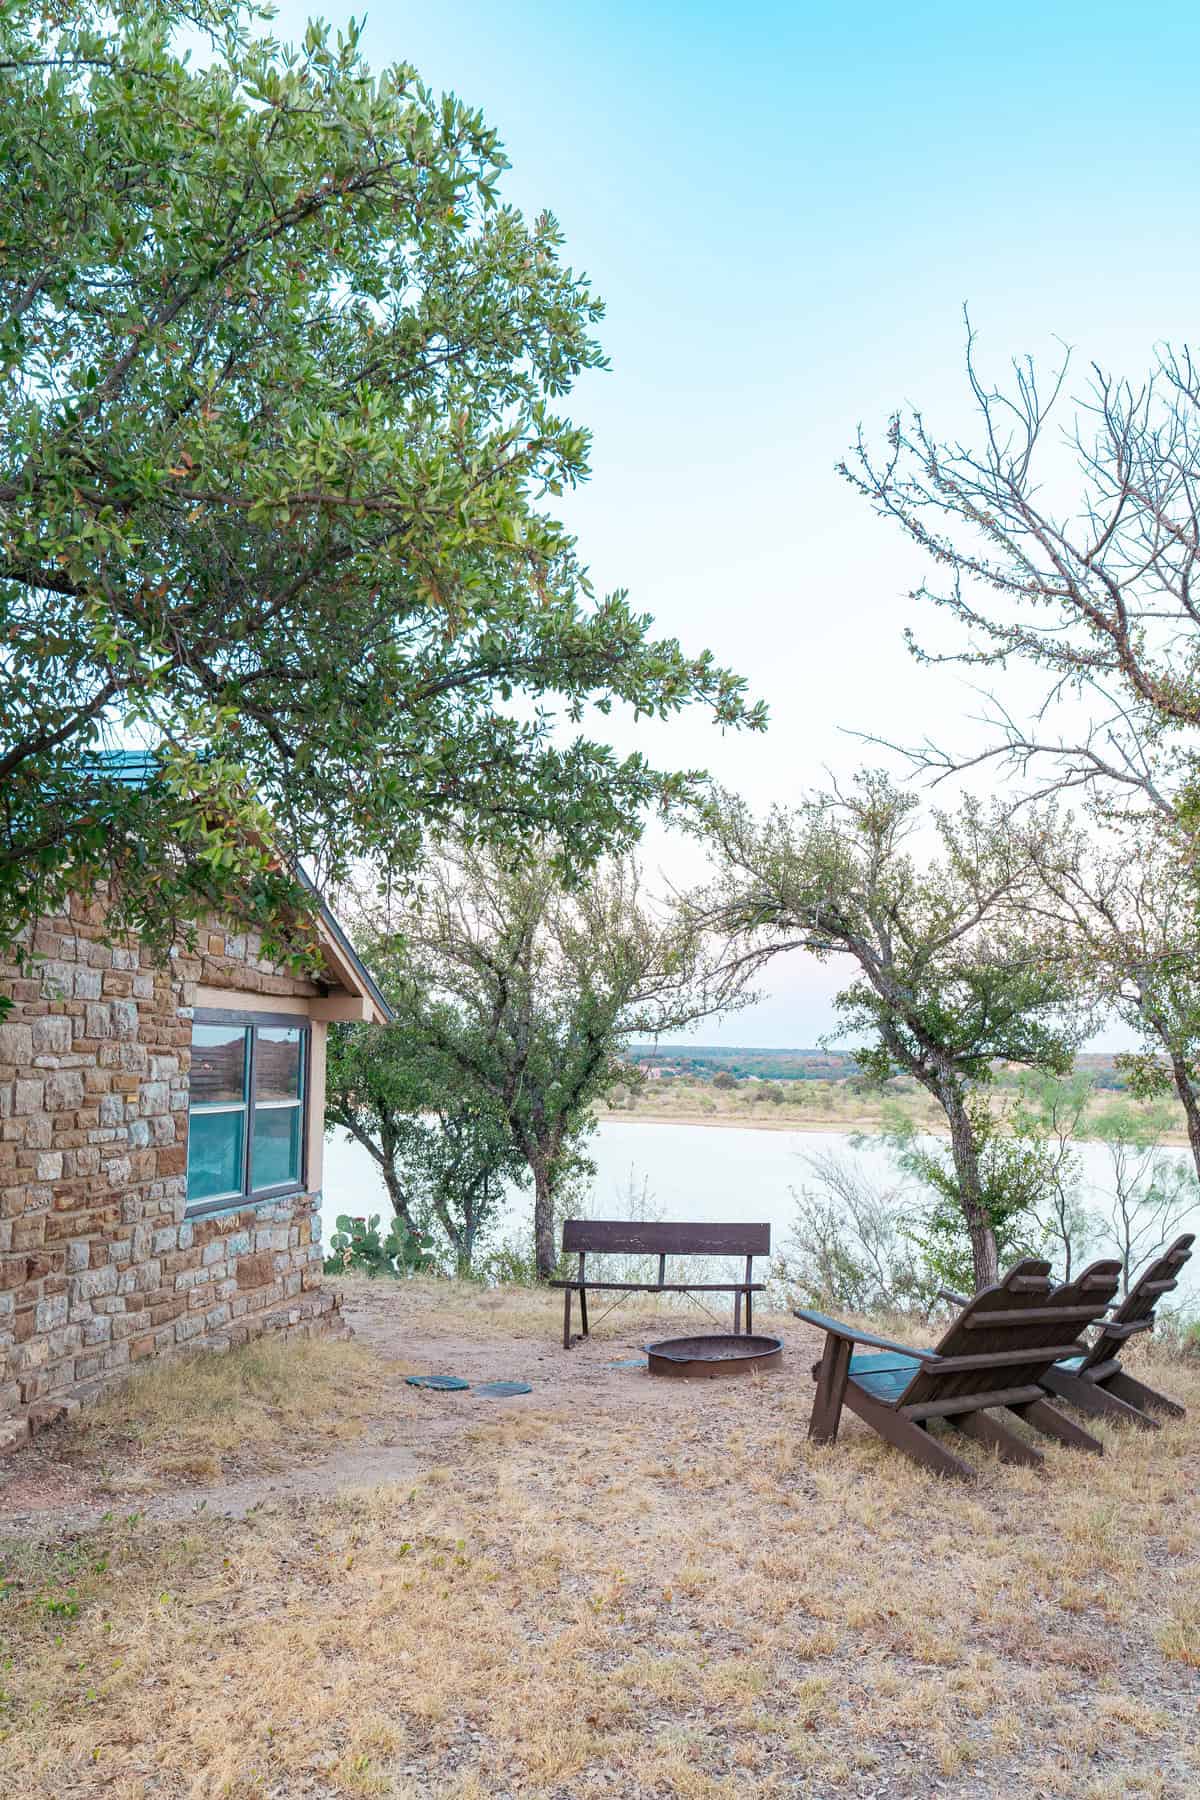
(361, 1000)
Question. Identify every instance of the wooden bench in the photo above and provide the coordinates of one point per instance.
(626, 1237)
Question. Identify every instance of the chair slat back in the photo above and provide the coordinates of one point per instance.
(633, 1237)
(1137, 1308)
(1021, 1313)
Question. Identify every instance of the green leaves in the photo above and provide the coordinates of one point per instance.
(278, 421)
(947, 983)
(515, 995)
(359, 1246)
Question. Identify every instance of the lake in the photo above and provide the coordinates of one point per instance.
(691, 1172)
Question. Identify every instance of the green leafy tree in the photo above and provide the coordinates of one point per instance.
(1063, 533)
(279, 386)
(1013, 1177)
(438, 1139)
(532, 991)
(945, 988)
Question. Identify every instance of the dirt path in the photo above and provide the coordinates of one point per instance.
(412, 1430)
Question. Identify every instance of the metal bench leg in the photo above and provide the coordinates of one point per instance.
(737, 1313)
(583, 1309)
(749, 1312)
(566, 1318)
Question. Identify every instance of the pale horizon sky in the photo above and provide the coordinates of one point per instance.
(785, 209)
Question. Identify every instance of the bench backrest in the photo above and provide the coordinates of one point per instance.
(1136, 1311)
(631, 1237)
(1010, 1334)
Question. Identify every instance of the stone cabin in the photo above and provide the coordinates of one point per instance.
(161, 1132)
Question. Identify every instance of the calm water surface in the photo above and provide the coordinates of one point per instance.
(690, 1171)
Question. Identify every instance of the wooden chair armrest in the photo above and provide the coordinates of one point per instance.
(855, 1335)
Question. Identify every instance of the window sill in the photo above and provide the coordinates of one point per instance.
(236, 1203)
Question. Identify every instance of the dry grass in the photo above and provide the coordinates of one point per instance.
(597, 1599)
(205, 1417)
(526, 1314)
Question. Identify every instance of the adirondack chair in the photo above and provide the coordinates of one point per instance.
(993, 1356)
(1096, 1382)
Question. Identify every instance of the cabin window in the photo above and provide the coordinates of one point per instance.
(247, 1107)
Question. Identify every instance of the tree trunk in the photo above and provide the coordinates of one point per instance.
(965, 1153)
(1190, 1101)
(395, 1188)
(475, 1209)
(544, 1254)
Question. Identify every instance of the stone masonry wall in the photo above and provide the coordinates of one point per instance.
(99, 1269)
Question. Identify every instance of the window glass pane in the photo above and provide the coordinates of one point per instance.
(218, 1064)
(276, 1155)
(277, 1063)
(215, 1153)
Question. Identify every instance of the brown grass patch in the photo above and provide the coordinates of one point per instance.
(206, 1417)
(466, 1310)
(582, 1598)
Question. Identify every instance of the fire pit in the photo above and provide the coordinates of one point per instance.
(712, 1356)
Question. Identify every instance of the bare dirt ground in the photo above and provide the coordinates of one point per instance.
(412, 1332)
(612, 1586)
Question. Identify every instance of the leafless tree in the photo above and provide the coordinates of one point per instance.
(1123, 918)
(1051, 1116)
(1151, 1196)
(848, 1242)
(1068, 536)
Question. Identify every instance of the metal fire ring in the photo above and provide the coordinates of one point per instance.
(708, 1357)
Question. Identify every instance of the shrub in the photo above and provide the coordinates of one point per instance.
(850, 1245)
(358, 1245)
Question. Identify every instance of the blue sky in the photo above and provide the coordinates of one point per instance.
(785, 209)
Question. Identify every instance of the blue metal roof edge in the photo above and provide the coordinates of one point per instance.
(136, 767)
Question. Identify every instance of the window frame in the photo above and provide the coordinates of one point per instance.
(250, 1020)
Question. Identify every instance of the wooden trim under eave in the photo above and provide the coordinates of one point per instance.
(337, 1008)
(211, 998)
